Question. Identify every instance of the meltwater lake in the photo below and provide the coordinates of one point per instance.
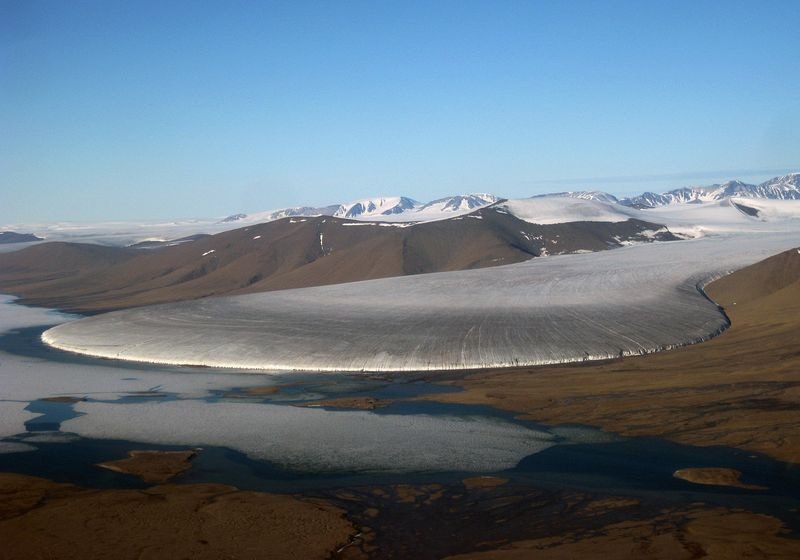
(269, 440)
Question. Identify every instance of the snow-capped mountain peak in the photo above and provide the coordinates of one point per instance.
(384, 209)
(381, 206)
(786, 187)
(599, 196)
(272, 215)
(779, 187)
(405, 209)
(459, 203)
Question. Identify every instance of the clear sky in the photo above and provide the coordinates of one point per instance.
(163, 109)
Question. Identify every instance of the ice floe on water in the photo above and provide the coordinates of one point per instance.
(24, 379)
(13, 417)
(30, 378)
(15, 447)
(318, 440)
(19, 316)
(304, 439)
(627, 301)
(48, 437)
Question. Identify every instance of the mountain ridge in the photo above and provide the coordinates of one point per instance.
(379, 208)
(406, 209)
(295, 252)
(785, 187)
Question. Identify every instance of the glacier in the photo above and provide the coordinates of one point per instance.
(569, 308)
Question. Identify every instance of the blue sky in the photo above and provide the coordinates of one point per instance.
(167, 109)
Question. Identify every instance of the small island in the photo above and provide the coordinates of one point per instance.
(154, 467)
(715, 476)
(352, 403)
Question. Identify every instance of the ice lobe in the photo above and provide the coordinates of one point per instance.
(568, 308)
(318, 440)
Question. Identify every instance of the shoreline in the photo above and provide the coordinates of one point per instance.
(741, 389)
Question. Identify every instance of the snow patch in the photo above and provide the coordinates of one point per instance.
(562, 209)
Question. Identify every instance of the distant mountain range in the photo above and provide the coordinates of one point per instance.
(371, 238)
(695, 214)
(786, 187)
(299, 252)
(404, 209)
(599, 196)
(14, 237)
(390, 209)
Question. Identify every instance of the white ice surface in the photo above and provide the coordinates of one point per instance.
(297, 438)
(691, 219)
(18, 316)
(27, 378)
(12, 409)
(600, 305)
(561, 209)
(772, 210)
(115, 233)
(49, 437)
(24, 378)
(13, 417)
(318, 440)
(699, 219)
(431, 212)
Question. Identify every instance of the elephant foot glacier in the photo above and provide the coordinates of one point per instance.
(626, 301)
